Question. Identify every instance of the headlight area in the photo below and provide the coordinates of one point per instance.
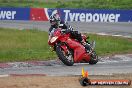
(53, 39)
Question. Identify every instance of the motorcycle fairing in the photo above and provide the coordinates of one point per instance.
(79, 50)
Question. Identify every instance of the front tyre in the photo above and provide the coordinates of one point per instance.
(66, 58)
(94, 58)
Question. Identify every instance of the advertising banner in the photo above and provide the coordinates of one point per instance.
(39, 14)
(92, 15)
(14, 13)
(81, 15)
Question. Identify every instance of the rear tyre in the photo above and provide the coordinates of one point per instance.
(67, 59)
(94, 58)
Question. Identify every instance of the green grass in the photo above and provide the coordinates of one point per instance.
(90, 4)
(108, 45)
(23, 45)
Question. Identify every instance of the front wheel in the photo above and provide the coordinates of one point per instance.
(66, 58)
(94, 58)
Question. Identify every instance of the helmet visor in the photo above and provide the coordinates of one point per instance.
(52, 22)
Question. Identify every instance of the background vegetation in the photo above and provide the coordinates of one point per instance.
(90, 4)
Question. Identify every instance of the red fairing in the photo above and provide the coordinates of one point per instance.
(57, 33)
(79, 50)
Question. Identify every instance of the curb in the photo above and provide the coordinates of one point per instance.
(28, 64)
(5, 65)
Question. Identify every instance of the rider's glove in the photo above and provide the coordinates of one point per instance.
(65, 31)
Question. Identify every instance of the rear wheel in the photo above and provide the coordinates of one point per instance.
(66, 58)
(94, 58)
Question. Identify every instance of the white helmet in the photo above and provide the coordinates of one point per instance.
(55, 18)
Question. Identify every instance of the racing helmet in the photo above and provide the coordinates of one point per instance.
(55, 18)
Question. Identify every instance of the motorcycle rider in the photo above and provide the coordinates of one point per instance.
(56, 22)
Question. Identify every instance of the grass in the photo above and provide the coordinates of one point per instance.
(23, 45)
(108, 45)
(90, 4)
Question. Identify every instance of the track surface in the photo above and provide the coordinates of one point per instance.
(106, 65)
(124, 29)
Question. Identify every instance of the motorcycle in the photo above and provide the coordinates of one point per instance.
(70, 50)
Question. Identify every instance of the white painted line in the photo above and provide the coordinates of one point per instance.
(102, 33)
(117, 35)
(4, 75)
(113, 35)
(128, 36)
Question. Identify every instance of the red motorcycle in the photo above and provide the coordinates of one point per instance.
(69, 50)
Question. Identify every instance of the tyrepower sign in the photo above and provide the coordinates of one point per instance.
(91, 17)
(86, 15)
(7, 15)
(14, 13)
(83, 15)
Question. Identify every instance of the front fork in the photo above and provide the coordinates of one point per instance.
(63, 46)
